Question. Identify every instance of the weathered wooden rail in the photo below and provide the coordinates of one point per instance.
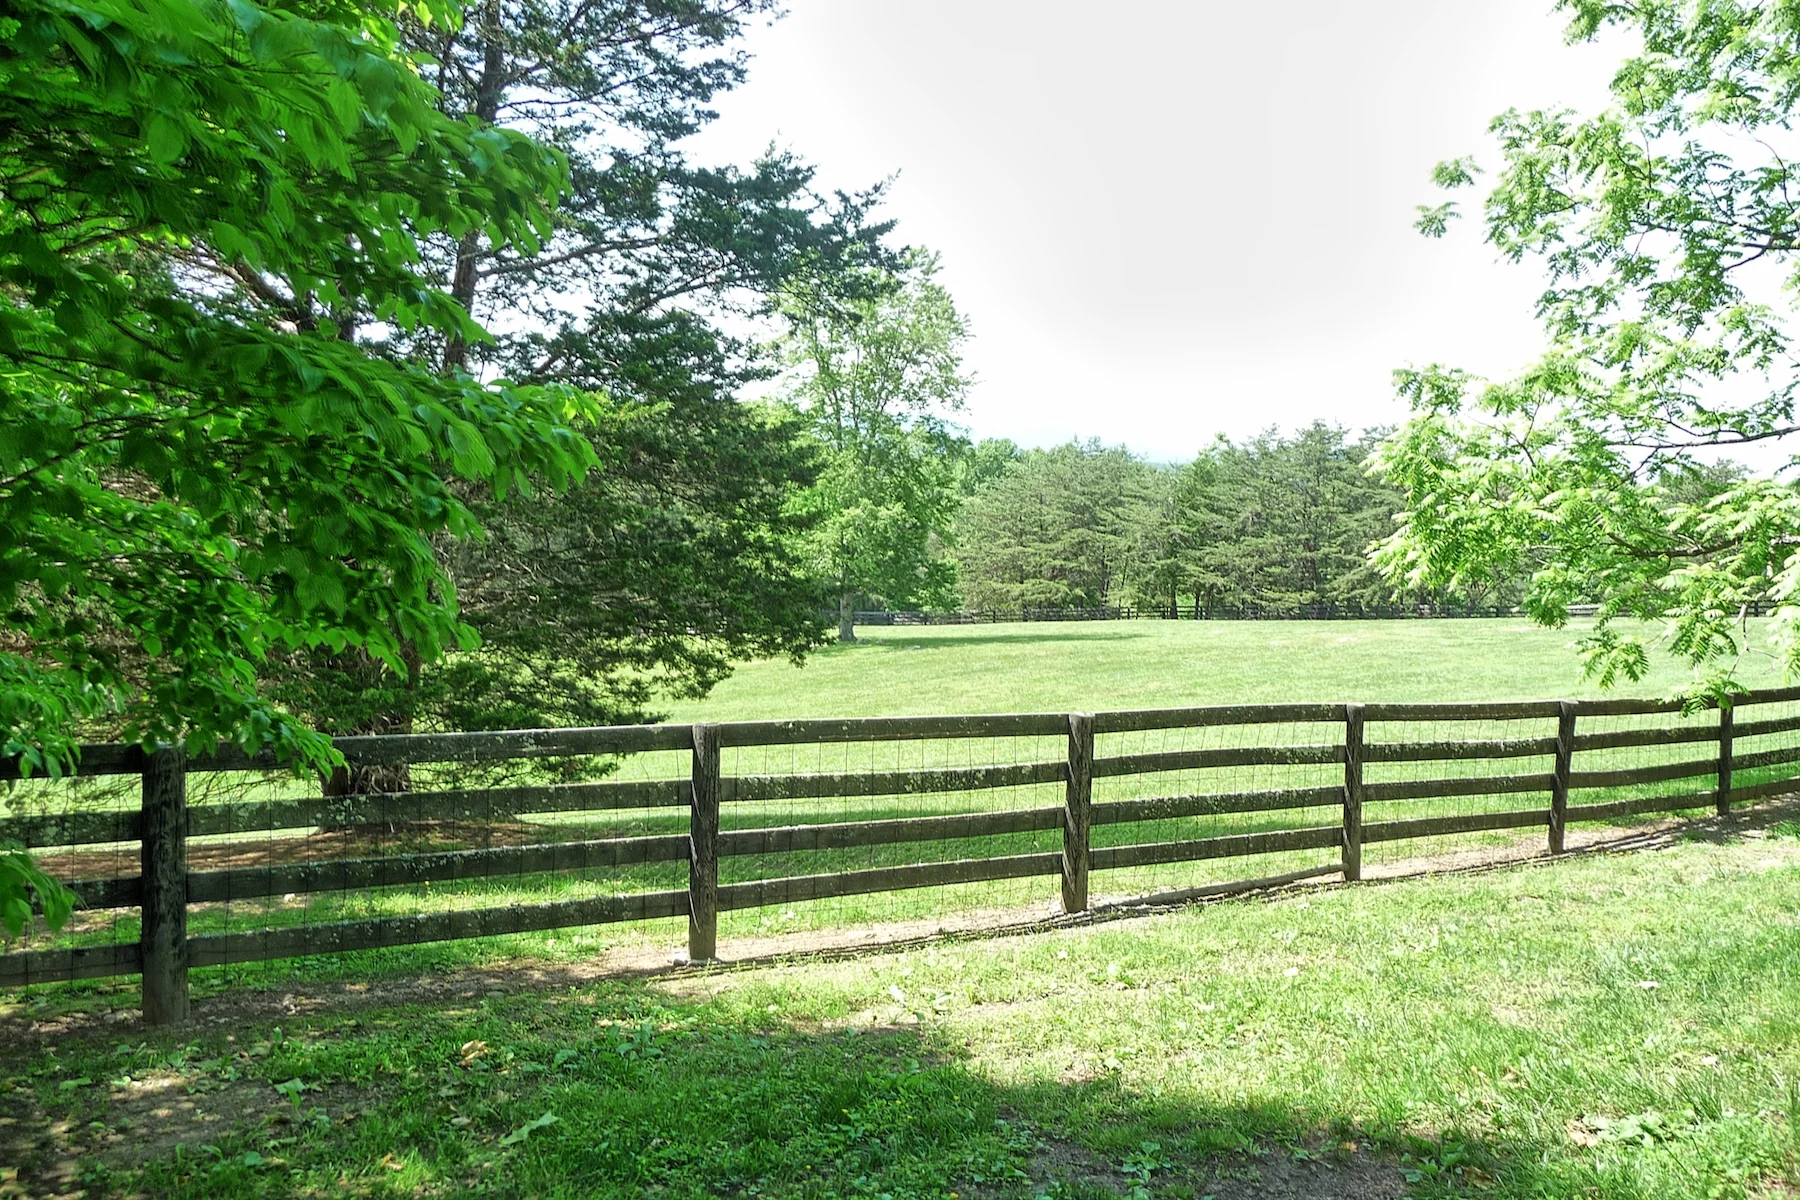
(162, 825)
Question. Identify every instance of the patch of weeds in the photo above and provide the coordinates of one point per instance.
(1141, 1165)
(1447, 1168)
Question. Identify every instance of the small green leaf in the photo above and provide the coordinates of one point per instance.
(526, 1130)
(164, 138)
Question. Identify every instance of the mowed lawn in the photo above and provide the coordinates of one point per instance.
(1069, 667)
(1624, 1027)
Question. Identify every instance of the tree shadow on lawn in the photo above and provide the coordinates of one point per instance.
(899, 639)
(688, 1083)
(627, 1089)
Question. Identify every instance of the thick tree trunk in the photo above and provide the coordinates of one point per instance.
(847, 617)
(357, 668)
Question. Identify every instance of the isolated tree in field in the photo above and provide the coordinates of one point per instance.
(652, 575)
(877, 380)
(1669, 229)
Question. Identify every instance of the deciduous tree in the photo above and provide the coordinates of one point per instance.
(649, 578)
(199, 462)
(877, 381)
(1668, 226)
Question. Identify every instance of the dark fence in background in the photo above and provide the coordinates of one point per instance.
(1193, 612)
(1366, 768)
(1304, 612)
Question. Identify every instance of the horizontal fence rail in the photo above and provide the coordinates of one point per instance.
(1196, 611)
(1190, 612)
(1546, 767)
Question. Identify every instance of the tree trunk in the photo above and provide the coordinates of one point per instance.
(489, 92)
(847, 617)
(357, 668)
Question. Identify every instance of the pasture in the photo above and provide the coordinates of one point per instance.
(906, 671)
(1034, 667)
(1621, 1025)
(1077, 666)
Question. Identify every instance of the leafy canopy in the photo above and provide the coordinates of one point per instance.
(186, 481)
(1667, 226)
(650, 577)
(877, 380)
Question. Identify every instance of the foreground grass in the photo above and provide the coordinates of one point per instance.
(1625, 1027)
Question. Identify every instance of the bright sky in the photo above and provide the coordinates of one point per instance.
(1167, 219)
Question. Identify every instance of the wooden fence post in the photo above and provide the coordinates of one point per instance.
(1353, 792)
(703, 847)
(1078, 806)
(163, 866)
(1725, 727)
(1559, 779)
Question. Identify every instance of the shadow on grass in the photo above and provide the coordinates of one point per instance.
(630, 1089)
(46, 1016)
(894, 638)
(518, 1079)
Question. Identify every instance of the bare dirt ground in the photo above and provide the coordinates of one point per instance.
(1343, 1171)
(147, 1119)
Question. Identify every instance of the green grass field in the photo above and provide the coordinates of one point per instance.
(1072, 666)
(974, 668)
(1622, 1027)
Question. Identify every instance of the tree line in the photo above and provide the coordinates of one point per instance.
(1273, 523)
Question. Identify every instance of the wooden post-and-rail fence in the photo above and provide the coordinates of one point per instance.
(164, 822)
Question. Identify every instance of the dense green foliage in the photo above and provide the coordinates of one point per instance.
(26, 888)
(1279, 524)
(190, 480)
(647, 579)
(1062, 528)
(1666, 227)
(1276, 524)
(876, 381)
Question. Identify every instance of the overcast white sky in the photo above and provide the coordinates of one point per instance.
(1167, 219)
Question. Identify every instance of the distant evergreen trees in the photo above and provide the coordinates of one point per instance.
(1275, 523)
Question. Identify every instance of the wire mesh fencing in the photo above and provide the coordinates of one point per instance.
(1181, 795)
(83, 831)
(562, 843)
(886, 817)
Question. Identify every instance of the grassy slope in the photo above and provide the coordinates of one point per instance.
(1155, 664)
(1472, 1027)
